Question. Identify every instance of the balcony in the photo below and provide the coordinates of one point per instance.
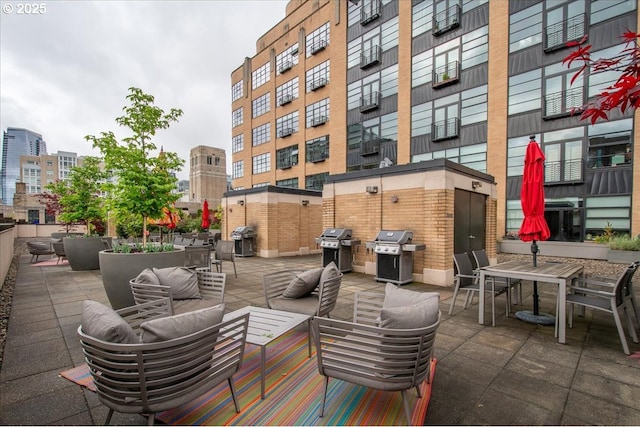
(285, 66)
(286, 163)
(317, 47)
(318, 156)
(369, 12)
(445, 129)
(370, 57)
(563, 104)
(557, 36)
(285, 132)
(369, 147)
(370, 102)
(285, 99)
(318, 120)
(446, 75)
(318, 83)
(446, 20)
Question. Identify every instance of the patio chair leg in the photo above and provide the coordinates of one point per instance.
(324, 396)
(109, 415)
(623, 338)
(453, 300)
(407, 409)
(309, 337)
(418, 390)
(151, 420)
(233, 394)
(632, 329)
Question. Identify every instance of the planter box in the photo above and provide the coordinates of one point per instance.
(117, 269)
(82, 252)
(583, 250)
(623, 257)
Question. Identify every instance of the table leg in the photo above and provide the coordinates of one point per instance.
(562, 310)
(263, 356)
(481, 298)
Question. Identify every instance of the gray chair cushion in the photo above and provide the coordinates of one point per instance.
(329, 272)
(183, 282)
(103, 323)
(303, 284)
(180, 325)
(147, 276)
(405, 309)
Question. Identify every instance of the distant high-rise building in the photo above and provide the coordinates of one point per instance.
(207, 175)
(17, 142)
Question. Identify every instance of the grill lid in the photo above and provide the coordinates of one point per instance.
(243, 230)
(336, 233)
(394, 236)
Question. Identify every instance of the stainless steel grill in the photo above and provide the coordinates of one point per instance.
(394, 255)
(336, 244)
(244, 238)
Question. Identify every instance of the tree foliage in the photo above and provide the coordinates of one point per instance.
(144, 182)
(51, 200)
(625, 92)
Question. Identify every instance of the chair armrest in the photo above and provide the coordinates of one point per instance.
(582, 282)
(211, 284)
(590, 291)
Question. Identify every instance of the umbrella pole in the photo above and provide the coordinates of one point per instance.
(535, 316)
(534, 251)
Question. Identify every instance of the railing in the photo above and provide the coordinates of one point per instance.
(446, 20)
(318, 120)
(563, 103)
(370, 146)
(285, 99)
(317, 156)
(557, 35)
(318, 46)
(369, 12)
(445, 129)
(446, 74)
(370, 102)
(283, 133)
(563, 171)
(318, 83)
(370, 57)
(286, 66)
(285, 163)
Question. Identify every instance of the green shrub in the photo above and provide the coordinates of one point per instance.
(624, 243)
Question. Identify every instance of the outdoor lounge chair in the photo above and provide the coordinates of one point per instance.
(467, 280)
(385, 358)
(150, 377)
(39, 248)
(58, 249)
(608, 297)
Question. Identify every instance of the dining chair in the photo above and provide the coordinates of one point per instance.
(608, 297)
(482, 260)
(225, 252)
(467, 279)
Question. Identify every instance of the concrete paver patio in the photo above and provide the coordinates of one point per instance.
(514, 373)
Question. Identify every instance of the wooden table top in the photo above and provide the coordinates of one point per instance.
(545, 269)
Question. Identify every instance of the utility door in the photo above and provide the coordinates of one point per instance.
(469, 221)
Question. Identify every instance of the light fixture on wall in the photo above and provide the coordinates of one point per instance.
(476, 184)
(305, 202)
(241, 202)
(372, 189)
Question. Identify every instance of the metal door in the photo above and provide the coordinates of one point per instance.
(469, 221)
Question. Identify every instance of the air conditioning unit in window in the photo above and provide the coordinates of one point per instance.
(285, 99)
(286, 66)
(285, 132)
(318, 120)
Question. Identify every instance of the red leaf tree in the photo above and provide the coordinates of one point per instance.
(625, 92)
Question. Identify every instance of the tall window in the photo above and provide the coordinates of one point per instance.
(601, 10)
(237, 143)
(237, 169)
(317, 113)
(565, 23)
(236, 91)
(524, 92)
(261, 134)
(318, 76)
(289, 183)
(317, 40)
(287, 91)
(422, 16)
(287, 59)
(446, 117)
(474, 105)
(261, 163)
(525, 28)
(236, 117)
(610, 144)
(261, 75)
(261, 105)
(315, 182)
(317, 149)
(287, 125)
(563, 155)
(475, 47)
(561, 96)
(287, 157)
(473, 156)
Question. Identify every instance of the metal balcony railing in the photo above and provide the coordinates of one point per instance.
(370, 102)
(563, 171)
(370, 57)
(318, 120)
(285, 99)
(445, 75)
(564, 103)
(557, 35)
(369, 12)
(318, 83)
(445, 129)
(369, 147)
(318, 46)
(446, 20)
(283, 133)
(285, 66)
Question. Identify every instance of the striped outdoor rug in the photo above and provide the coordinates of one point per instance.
(293, 395)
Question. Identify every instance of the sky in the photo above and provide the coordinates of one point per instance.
(66, 67)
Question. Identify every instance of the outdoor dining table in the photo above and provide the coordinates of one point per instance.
(548, 272)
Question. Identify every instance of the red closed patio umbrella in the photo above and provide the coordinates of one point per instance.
(205, 215)
(534, 227)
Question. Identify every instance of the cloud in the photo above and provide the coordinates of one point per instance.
(65, 73)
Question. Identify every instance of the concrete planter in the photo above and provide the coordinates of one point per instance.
(623, 257)
(117, 269)
(583, 250)
(82, 252)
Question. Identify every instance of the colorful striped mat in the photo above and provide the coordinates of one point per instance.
(293, 394)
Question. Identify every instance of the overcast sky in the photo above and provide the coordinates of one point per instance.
(65, 72)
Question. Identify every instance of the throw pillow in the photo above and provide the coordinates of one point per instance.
(103, 323)
(147, 276)
(395, 296)
(418, 315)
(329, 272)
(303, 284)
(183, 282)
(180, 325)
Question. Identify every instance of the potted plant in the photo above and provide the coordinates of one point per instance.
(143, 188)
(624, 249)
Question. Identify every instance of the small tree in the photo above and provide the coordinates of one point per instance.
(79, 197)
(144, 183)
(625, 92)
(51, 201)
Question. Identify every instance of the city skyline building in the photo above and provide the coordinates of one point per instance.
(17, 142)
(343, 87)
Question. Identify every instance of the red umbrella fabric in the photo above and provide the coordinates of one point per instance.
(205, 215)
(534, 226)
